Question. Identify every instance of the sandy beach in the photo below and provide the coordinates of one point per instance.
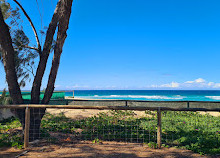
(80, 114)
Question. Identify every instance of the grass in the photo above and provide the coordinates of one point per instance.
(187, 130)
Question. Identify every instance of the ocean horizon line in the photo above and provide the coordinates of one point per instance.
(131, 90)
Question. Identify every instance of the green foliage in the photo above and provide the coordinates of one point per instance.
(24, 57)
(152, 145)
(10, 14)
(96, 141)
(6, 9)
(10, 135)
(187, 130)
(150, 113)
(5, 100)
(196, 132)
(165, 145)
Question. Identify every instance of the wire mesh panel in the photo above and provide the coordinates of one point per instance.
(117, 126)
(191, 130)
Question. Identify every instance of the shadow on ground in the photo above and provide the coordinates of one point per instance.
(87, 149)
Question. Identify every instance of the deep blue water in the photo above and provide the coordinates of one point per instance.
(165, 95)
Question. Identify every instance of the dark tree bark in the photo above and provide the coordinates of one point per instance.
(35, 92)
(8, 54)
(61, 36)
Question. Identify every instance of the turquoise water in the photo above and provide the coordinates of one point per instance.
(151, 95)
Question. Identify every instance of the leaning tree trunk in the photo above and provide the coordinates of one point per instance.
(8, 54)
(61, 17)
(38, 113)
(61, 36)
(35, 91)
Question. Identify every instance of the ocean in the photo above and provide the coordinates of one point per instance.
(151, 95)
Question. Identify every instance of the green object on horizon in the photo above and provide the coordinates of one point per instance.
(56, 95)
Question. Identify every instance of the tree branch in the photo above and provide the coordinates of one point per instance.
(34, 48)
(32, 25)
(35, 91)
(28, 70)
(61, 36)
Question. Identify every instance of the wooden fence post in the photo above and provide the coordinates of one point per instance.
(27, 127)
(159, 131)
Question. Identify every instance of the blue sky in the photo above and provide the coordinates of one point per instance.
(135, 44)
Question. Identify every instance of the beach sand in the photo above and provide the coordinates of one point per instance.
(80, 114)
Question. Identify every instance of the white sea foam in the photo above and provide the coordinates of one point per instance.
(213, 97)
(114, 95)
(142, 96)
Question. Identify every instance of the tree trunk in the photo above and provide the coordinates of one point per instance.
(9, 62)
(61, 15)
(61, 36)
(35, 91)
(9, 66)
(38, 113)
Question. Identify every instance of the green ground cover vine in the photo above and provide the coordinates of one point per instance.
(187, 130)
(11, 133)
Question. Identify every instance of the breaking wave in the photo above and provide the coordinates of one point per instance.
(213, 97)
(140, 96)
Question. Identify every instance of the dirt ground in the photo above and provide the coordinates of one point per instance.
(103, 150)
